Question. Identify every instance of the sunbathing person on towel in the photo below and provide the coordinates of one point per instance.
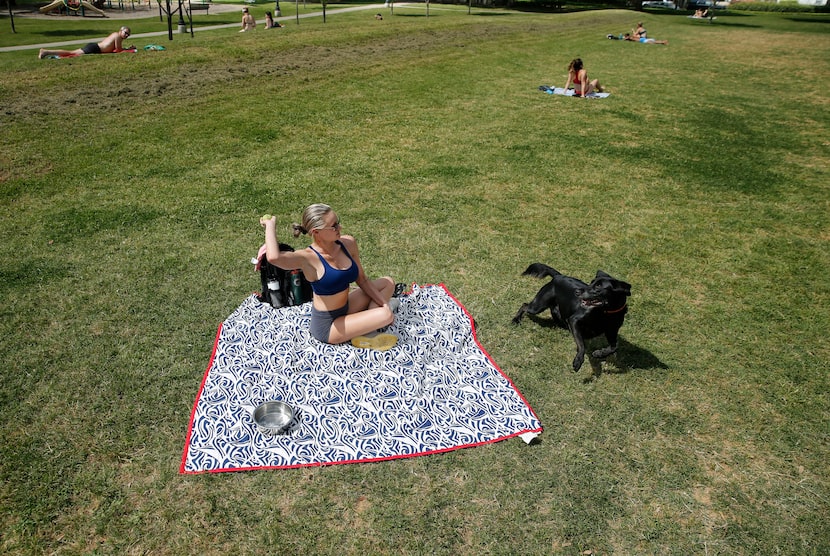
(644, 40)
(113, 43)
(331, 263)
(578, 75)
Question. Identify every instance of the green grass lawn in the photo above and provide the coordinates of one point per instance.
(131, 188)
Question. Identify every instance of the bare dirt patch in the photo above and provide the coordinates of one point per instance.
(203, 75)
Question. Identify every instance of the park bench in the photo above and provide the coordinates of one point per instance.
(199, 6)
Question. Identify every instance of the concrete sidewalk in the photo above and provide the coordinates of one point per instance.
(283, 20)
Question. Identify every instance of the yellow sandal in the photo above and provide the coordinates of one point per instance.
(380, 342)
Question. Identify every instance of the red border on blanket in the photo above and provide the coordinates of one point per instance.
(363, 460)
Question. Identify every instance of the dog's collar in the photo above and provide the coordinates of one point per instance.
(612, 311)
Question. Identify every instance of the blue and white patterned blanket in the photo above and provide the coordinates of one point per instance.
(436, 390)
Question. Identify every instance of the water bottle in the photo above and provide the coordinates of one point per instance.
(296, 287)
(274, 293)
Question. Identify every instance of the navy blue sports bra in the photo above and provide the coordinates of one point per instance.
(334, 280)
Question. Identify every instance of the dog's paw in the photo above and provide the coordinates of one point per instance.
(520, 314)
(578, 360)
(603, 353)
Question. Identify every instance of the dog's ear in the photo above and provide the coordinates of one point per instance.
(616, 285)
(623, 287)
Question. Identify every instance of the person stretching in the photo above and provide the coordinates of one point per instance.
(578, 75)
(331, 263)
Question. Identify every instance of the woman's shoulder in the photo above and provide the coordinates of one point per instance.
(349, 242)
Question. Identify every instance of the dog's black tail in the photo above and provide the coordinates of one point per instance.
(539, 270)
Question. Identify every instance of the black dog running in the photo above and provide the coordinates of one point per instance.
(587, 310)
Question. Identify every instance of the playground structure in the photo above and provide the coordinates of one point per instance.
(170, 8)
(76, 6)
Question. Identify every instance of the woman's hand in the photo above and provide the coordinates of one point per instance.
(267, 218)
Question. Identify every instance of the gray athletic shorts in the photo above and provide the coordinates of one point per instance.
(321, 321)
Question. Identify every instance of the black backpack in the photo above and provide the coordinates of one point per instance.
(282, 288)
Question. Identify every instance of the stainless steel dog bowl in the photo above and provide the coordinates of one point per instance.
(273, 417)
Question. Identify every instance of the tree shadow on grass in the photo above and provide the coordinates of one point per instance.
(735, 24)
(809, 19)
(66, 33)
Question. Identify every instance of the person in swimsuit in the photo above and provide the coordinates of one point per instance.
(643, 40)
(248, 21)
(113, 43)
(331, 263)
(578, 75)
(270, 23)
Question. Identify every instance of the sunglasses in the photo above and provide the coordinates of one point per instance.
(336, 226)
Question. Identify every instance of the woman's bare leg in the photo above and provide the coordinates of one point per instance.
(357, 324)
(359, 301)
(365, 315)
(44, 53)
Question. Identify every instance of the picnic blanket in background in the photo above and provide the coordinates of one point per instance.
(436, 390)
(569, 92)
